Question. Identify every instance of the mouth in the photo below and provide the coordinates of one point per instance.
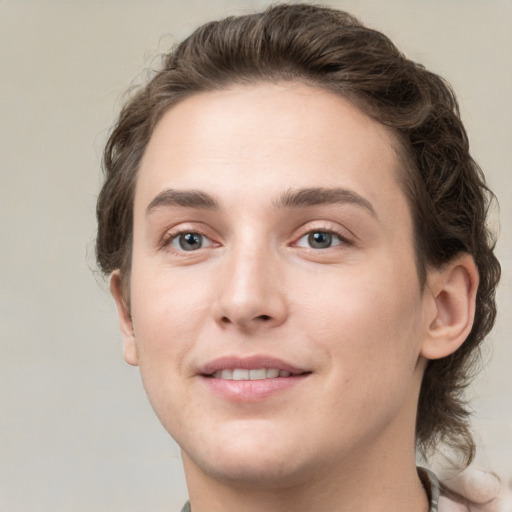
(252, 378)
(255, 374)
(250, 368)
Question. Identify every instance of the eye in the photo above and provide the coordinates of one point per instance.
(319, 240)
(190, 241)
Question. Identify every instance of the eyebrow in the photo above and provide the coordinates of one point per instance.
(299, 198)
(317, 196)
(183, 198)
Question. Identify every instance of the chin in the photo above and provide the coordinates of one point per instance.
(256, 474)
(262, 462)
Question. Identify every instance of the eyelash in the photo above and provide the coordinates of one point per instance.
(331, 235)
(334, 239)
(174, 237)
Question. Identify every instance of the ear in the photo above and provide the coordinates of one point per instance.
(453, 290)
(125, 319)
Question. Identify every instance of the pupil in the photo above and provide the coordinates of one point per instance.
(320, 240)
(190, 241)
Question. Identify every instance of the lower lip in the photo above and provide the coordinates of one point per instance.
(251, 390)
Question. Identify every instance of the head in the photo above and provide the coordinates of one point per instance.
(331, 51)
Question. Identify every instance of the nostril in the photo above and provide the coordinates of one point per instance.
(243, 321)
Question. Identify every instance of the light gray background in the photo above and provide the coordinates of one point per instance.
(76, 431)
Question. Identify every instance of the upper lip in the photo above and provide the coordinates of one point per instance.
(249, 363)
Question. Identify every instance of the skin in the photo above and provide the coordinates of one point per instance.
(352, 317)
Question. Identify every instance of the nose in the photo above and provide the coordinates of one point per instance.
(250, 292)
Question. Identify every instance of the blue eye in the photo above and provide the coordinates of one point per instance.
(190, 241)
(319, 240)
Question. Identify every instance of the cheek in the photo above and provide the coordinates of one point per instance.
(169, 312)
(168, 299)
(168, 315)
(366, 321)
(372, 345)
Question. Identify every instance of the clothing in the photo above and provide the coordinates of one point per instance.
(428, 479)
(431, 484)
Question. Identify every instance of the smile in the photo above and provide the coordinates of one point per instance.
(252, 379)
(257, 374)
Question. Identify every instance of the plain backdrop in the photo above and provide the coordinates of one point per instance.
(76, 431)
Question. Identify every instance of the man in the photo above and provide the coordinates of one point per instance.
(295, 233)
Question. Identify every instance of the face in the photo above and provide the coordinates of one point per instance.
(276, 311)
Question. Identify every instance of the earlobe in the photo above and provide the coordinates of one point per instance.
(125, 319)
(453, 289)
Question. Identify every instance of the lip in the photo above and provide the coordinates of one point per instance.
(250, 390)
(249, 363)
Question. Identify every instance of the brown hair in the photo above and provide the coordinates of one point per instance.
(333, 50)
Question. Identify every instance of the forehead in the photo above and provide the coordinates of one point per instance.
(247, 138)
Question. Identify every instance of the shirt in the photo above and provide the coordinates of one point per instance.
(428, 479)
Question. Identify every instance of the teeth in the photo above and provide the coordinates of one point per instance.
(239, 374)
(258, 374)
(226, 374)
